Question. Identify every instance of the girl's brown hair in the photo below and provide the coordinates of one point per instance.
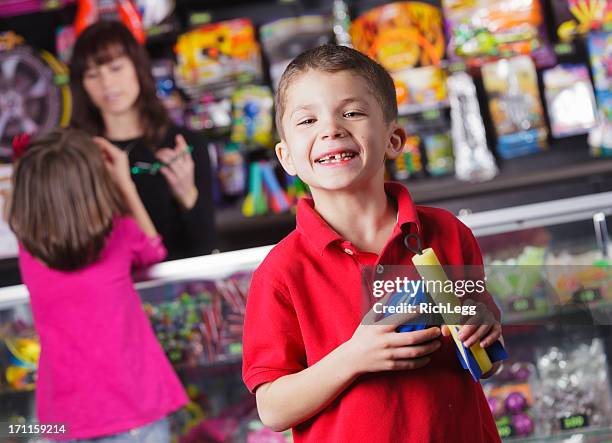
(100, 43)
(64, 200)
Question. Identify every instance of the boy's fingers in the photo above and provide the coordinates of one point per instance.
(476, 336)
(417, 351)
(413, 363)
(445, 331)
(414, 337)
(395, 320)
(371, 316)
(493, 335)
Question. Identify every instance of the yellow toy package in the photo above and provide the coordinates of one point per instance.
(217, 55)
(407, 38)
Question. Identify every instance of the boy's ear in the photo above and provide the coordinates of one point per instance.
(397, 140)
(284, 157)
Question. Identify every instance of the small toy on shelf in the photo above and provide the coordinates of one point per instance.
(600, 53)
(579, 17)
(484, 30)
(216, 56)
(23, 362)
(439, 152)
(34, 90)
(570, 100)
(420, 89)
(210, 113)
(284, 39)
(518, 283)
(255, 202)
(516, 109)
(163, 73)
(409, 162)
(90, 11)
(232, 171)
(407, 39)
(473, 159)
(64, 42)
(510, 397)
(342, 23)
(252, 116)
(573, 390)
(265, 192)
(296, 188)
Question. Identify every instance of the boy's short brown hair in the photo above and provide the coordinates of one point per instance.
(64, 200)
(335, 58)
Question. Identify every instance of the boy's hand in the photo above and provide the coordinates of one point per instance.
(481, 328)
(376, 346)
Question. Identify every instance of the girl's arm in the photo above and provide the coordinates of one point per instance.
(118, 166)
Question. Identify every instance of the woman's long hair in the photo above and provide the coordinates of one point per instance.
(100, 43)
(64, 200)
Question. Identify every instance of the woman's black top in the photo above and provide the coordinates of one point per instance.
(184, 233)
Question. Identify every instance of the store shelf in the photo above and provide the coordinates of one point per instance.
(600, 313)
(221, 367)
(566, 159)
(8, 392)
(568, 436)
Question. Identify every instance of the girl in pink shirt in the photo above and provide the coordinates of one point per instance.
(82, 228)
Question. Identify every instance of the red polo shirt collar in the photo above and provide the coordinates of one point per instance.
(320, 234)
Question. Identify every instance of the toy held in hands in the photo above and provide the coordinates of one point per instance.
(475, 359)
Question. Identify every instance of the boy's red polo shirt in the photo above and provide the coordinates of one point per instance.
(305, 300)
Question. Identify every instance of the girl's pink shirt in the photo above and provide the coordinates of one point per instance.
(101, 370)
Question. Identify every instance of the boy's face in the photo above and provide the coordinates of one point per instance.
(335, 136)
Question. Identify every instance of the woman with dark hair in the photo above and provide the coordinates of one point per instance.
(114, 97)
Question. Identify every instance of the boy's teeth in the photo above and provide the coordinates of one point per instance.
(335, 158)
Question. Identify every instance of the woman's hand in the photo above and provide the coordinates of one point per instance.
(117, 163)
(178, 170)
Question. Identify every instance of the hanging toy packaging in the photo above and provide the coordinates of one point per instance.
(473, 159)
(600, 52)
(574, 18)
(570, 100)
(34, 86)
(515, 106)
(284, 39)
(217, 55)
(406, 38)
(483, 30)
(252, 122)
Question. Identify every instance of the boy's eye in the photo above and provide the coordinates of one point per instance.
(353, 114)
(306, 121)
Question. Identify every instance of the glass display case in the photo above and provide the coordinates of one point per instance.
(547, 266)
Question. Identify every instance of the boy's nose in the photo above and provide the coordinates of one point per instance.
(332, 132)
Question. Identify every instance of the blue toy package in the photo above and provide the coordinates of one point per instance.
(404, 298)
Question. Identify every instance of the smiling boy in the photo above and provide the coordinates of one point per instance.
(311, 362)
